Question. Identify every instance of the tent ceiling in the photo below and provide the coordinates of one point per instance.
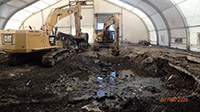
(9, 7)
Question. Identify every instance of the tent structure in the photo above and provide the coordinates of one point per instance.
(14, 12)
(172, 23)
(176, 22)
(8, 8)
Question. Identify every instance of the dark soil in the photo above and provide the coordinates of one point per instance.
(97, 83)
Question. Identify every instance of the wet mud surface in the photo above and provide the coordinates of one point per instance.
(137, 81)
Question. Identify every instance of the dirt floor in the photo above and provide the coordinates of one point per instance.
(141, 79)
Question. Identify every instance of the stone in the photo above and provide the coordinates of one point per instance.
(91, 108)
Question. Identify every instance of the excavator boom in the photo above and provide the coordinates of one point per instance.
(61, 12)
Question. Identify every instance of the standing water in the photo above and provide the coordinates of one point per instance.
(119, 81)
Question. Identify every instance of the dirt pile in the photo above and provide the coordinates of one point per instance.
(144, 43)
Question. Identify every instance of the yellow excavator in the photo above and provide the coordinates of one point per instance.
(53, 45)
(104, 39)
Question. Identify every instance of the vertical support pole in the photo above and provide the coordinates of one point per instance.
(122, 25)
(42, 17)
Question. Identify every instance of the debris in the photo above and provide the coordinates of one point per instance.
(28, 82)
(12, 75)
(69, 88)
(144, 43)
(91, 108)
(170, 77)
(97, 61)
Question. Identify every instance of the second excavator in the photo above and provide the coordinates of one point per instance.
(104, 39)
(53, 45)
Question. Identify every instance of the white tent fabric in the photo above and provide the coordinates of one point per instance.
(167, 20)
(141, 15)
(172, 23)
(191, 11)
(9, 7)
(17, 19)
(176, 22)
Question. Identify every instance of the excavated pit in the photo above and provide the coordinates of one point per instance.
(136, 81)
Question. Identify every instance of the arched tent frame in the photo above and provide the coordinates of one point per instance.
(19, 10)
(150, 26)
(161, 15)
(10, 7)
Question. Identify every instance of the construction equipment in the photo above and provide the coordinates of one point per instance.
(54, 46)
(103, 37)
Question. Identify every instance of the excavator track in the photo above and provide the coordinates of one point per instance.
(23, 58)
(56, 55)
(71, 46)
(49, 58)
(13, 60)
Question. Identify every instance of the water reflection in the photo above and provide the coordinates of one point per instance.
(113, 74)
(112, 77)
(101, 93)
(100, 79)
(118, 80)
(107, 86)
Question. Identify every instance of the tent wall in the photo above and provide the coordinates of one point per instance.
(191, 11)
(134, 30)
(165, 17)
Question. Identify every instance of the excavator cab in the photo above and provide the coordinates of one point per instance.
(52, 40)
(109, 34)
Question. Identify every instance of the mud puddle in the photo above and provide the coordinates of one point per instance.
(117, 81)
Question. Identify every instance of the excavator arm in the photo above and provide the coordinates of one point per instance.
(61, 12)
(108, 23)
(116, 44)
(113, 20)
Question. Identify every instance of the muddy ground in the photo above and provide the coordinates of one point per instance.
(141, 79)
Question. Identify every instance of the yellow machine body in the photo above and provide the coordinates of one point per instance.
(26, 41)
